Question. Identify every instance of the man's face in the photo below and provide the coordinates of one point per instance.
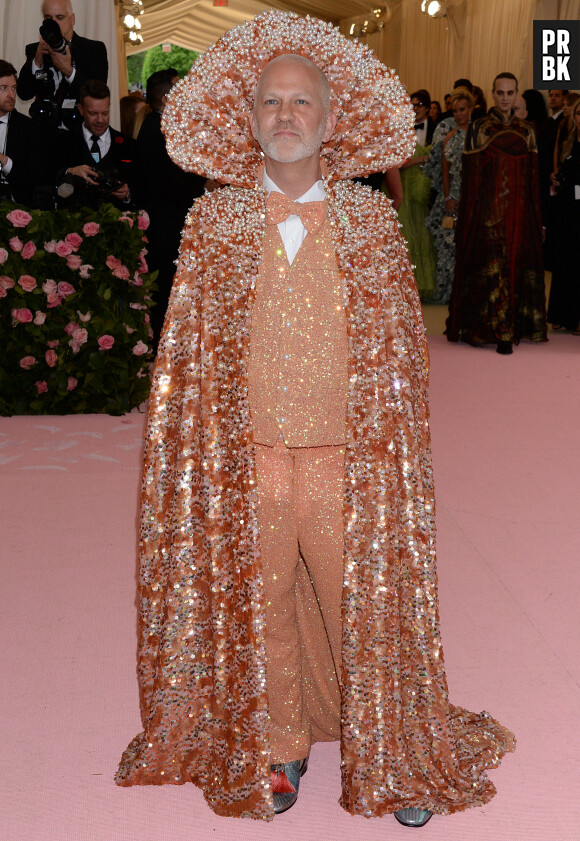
(7, 94)
(555, 99)
(420, 110)
(95, 113)
(504, 95)
(289, 120)
(58, 10)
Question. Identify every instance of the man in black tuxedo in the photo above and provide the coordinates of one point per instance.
(67, 71)
(424, 125)
(98, 162)
(167, 193)
(15, 141)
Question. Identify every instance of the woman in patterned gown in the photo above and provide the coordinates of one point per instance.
(444, 168)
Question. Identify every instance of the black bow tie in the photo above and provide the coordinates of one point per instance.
(419, 125)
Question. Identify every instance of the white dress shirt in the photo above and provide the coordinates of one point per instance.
(421, 133)
(3, 140)
(104, 140)
(292, 230)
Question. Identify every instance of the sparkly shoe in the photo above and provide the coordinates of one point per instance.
(285, 783)
(413, 816)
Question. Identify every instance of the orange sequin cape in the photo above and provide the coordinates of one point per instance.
(204, 703)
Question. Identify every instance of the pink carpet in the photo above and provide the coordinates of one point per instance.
(505, 443)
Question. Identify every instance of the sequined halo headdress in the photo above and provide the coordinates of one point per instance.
(206, 120)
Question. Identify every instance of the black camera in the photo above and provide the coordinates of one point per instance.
(50, 32)
(108, 179)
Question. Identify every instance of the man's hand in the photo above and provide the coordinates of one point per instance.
(122, 193)
(84, 171)
(4, 160)
(62, 62)
(42, 50)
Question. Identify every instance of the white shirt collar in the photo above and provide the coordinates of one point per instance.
(314, 193)
(557, 114)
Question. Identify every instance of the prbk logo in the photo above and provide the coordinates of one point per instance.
(557, 54)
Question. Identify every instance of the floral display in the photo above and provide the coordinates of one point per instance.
(75, 295)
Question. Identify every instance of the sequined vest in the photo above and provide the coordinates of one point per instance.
(298, 382)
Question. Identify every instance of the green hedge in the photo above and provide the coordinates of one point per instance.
(75, 296)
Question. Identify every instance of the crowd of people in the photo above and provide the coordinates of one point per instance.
(469, 241)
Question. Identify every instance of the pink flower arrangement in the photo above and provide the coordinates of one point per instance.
(16, 244)
(143, 220)
(19, 218)
(39, 317)
(27, 282)
(28, 250)
(23, 315)
(63, 249)
(91, 229)
(50, 246)
(72, 384)
(106, 342)
(80, 335)
(71, 327)
(6, 282)
(74, 240)
(53, 300)
(65, 289)
(3, 255)
(41, 386)
(27, 362)
(74, 262)
(51, 358)
(140, 348)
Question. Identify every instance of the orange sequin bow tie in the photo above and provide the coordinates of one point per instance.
(280, 207)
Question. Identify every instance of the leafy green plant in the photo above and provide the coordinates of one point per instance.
(155, 59)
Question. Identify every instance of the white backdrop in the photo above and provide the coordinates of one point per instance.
(19, 22)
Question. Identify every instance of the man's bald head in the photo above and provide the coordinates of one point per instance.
(308, 65)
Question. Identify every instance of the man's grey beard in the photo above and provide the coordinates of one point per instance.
(300, 150)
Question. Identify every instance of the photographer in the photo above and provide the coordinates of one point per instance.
(15, 139)
(58, 65)
(98, 161)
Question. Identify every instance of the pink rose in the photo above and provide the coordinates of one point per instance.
(84, 318)
(74, 240)
(23, 316)
(65, 289)
(41, 386)
(39, 317)
(143, 220)
(16, 244)
(72, 383)
(129, 329)
(27, 282)
(106, 342)
(122, 272)
(140, 348)
(76, 346)
(126, 219)
(53, 300)
(150, 333)
(3, 292)
(146, 318)
(19, 218)
(27, 362)
(29, 250)
(143, 267)
(113, 262)
(74, 262)
(49, 287)
(91, 229)
(6, 282)
(63, 249)
(71, 327)
(51, 358)
(135, 306)
(80, 335)
(53, 343)
(50, 246)
(3, 255)
(85, 270)
(137, 280)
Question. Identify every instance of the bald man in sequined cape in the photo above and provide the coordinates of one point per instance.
(202, 666)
